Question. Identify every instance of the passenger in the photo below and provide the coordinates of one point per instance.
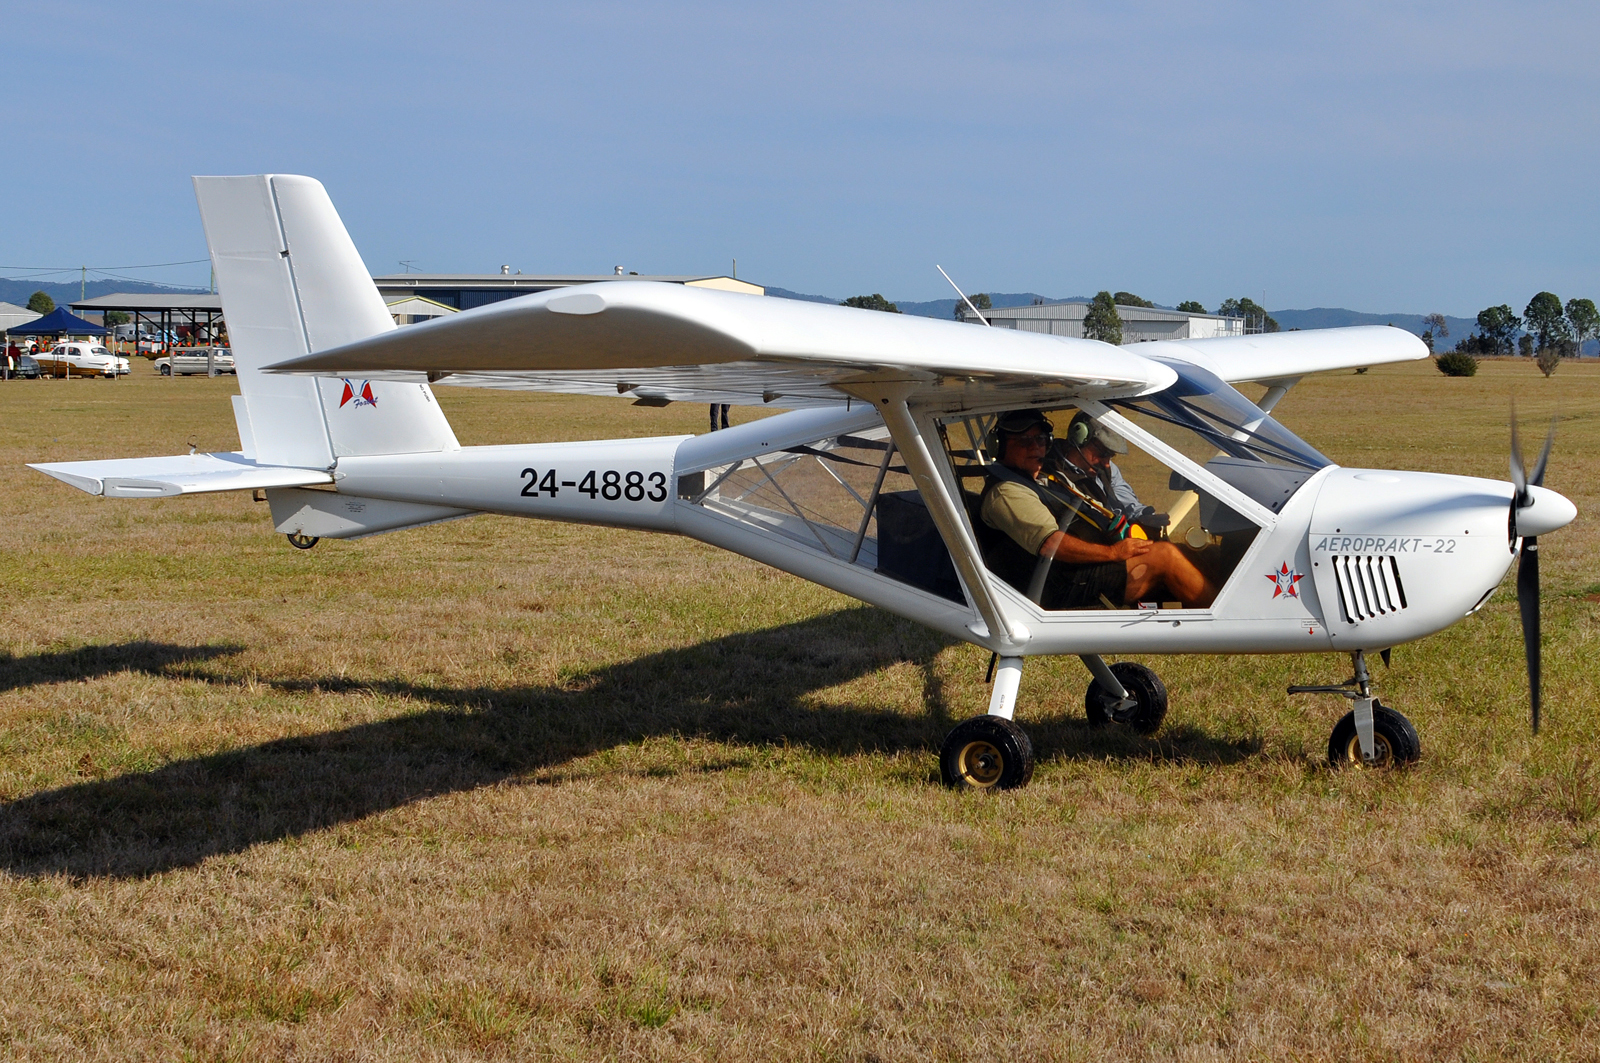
(1087, 529)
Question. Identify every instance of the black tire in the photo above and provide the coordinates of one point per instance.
(1397, 741)
(1149, 694)
(986, 753)
(302, 542)
(164, 370)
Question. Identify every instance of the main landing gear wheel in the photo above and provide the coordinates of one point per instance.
(1146, 689)
(1396, 741)
(986, 753)
(303, 542)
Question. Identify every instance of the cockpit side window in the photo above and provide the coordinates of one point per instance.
(1074, 516)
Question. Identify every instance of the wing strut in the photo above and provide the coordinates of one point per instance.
(891, 403)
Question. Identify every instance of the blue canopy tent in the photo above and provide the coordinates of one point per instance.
(58, 322)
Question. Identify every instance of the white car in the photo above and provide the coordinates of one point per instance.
(81, 359)
(186, 361)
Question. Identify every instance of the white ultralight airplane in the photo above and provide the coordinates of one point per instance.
(881, 480)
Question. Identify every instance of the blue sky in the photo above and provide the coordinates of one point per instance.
(1380, 156)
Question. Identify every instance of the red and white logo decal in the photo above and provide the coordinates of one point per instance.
(1284, 580)
(364, 397)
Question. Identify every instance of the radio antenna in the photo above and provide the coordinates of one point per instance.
(961, 293)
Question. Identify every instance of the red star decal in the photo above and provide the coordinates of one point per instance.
(1284, 581)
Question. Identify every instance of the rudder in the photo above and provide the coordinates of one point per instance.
(292, 283)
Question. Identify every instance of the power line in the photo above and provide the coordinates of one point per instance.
(98, 269)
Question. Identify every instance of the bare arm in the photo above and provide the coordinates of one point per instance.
(1064, 547)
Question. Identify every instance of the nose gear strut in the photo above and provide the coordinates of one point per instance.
(1383, 737)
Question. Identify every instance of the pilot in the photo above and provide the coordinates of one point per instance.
(1084, 526)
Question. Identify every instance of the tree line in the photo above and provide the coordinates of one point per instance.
(1546, 327)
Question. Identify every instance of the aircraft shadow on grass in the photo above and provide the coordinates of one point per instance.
(93, 662)
(751, 688)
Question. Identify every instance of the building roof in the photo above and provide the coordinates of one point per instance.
(12, 315)
(538, 282)
(1074, 308)
(152, 302)
(418, 306)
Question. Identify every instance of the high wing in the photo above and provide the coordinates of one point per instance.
(1283, 357)
(661, 342)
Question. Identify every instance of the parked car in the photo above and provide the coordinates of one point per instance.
(26, 367)
(81, 359)
(186, 361)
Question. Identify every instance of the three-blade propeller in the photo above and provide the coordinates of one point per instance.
(1528, 563)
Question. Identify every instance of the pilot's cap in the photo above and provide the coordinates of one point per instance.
(1084, 428)
(1015, 423)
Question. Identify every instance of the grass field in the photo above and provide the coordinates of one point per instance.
(505, 790)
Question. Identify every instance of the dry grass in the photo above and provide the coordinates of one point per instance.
(495, 789)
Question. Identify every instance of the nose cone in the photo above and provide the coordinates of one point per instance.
(1549, 511)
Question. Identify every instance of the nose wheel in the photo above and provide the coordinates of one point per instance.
(1371, 735)
(1394, 741)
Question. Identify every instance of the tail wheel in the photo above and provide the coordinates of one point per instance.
(986, 753)
(1148, 692)
(303, 542)
(1396, 740)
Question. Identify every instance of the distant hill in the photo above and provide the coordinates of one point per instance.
(1316, 318)
(1335, 317)
(12, 291)
(943, 308)
(784, 293)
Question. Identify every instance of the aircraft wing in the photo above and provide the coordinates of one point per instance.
(1283, 356)
(180, 474)
(660, 342)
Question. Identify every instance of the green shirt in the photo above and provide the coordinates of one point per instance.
(1014, 509)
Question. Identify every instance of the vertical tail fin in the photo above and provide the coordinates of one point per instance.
(292, 283)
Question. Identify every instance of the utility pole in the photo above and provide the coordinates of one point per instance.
(83, 284)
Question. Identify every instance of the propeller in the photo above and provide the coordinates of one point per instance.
(1528, 562)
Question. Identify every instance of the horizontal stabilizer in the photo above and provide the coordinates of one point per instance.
(327, 515)
(180, 474)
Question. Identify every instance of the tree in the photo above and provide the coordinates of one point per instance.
(1499, 328)
(980, 301)
(1456, 364)
(871, 302)
(1101, 321)
(1129, 299)
(1254, 315)
(41, 303)
(1189, 306)
(1437, 328)
(1547, 319)
(1525, 346)
(1584, 319)
(115, 318)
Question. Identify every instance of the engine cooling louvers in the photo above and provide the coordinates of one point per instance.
(1369, 586)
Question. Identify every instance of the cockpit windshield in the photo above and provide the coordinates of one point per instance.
(1203, 403)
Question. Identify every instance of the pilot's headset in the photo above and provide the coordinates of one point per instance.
(1084, 427)
(1015, 423)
